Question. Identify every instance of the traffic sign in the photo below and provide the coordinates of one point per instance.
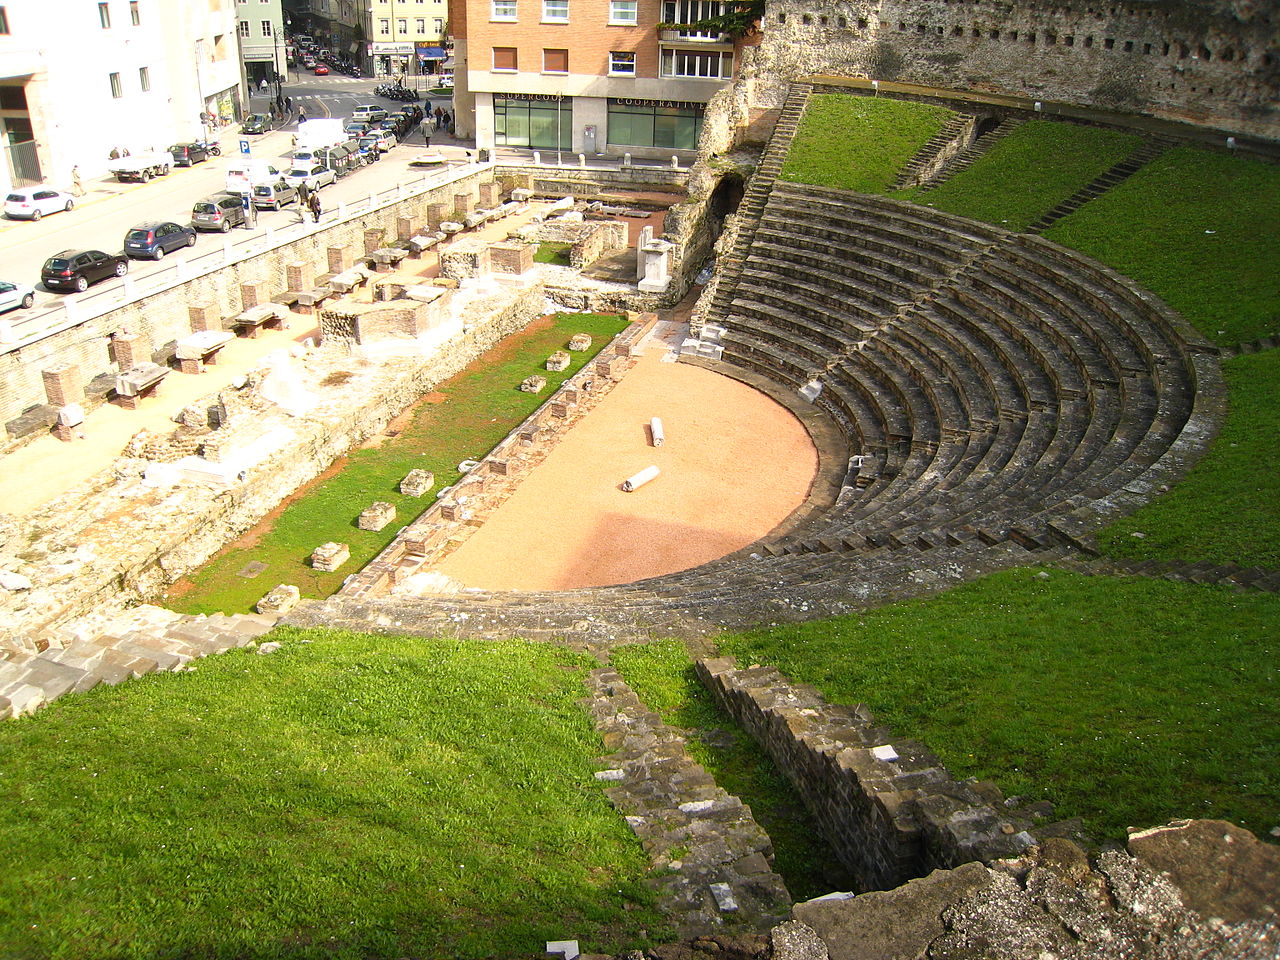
(244, 147)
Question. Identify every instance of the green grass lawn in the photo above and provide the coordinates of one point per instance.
(1127, 702)
(1227, 510)
(1200, 229)
(858, 143)
(662, 675)
(551, 252)
(347, 797)
(463, 420)
(1026, 174)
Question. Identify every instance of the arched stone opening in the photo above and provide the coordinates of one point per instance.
(724, 201)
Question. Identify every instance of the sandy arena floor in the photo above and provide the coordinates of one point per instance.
(734, 465)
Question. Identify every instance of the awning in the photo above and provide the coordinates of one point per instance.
(430, 53)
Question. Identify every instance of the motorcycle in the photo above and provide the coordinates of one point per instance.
(213, 148)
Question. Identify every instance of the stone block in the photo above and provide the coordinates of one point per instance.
(534, 384)
(279, 601)
(205, 316)
(464, 203)
(330, 556)
(558, 361)
(438, 213)
(417, 482)
(63, 385)
(611, 367)
(376, 516)
(253, 294)
(406, 227)
(490, 195)
(301, 275)
(373, 239)
(130, 350)
(580, 341)
(509, 257)
(340, 258)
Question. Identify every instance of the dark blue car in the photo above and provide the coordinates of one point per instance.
(156, 238)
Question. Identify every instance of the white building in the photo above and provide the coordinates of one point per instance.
(79, 79)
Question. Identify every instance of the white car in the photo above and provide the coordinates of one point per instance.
(32, 203)
(369, 113)
(14, 295)
(386, 139)
(314, 175)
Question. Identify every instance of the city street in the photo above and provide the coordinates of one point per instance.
(109, 209)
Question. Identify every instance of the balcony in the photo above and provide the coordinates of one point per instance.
(684, 35)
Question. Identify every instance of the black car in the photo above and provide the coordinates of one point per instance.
(76, 269)
(256, 123)
(155, 238)
(412, 111)
(188, 154)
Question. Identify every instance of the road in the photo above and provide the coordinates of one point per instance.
(109, 209)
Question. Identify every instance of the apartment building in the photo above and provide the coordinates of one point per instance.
(406, 37)
(263, 50)
(588, 76)
(79, 79)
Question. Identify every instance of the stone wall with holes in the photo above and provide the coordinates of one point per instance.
(164, 317)
(1214, 63)
(887, 806)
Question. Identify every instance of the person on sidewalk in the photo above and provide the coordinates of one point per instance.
(77, 185)
(426, 130)
(314, 204)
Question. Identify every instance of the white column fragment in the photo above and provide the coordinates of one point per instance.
(640, 479)
(655, 431)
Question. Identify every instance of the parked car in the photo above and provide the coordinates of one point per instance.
(314, 174)
(368, 147)
(222, 211)
(141, 167)
(15, 295)
(413, 112)
(274, 194)
(188, 154)
(76, 269)
(243, 174)
(155, 238)
(32, 203)
(386, 139)
(256, 123)
(369, 112)
(321, 70)
(355, 128)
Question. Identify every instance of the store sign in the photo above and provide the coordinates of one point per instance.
(253, 55)
(392, 49)
(671, 104)
(555, 97)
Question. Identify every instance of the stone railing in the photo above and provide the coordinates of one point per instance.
(890, 810)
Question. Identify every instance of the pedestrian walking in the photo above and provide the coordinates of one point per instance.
(448, 119)
(314, 204)
(426, 131)
(288, 104)
(77, 185)
(304, 193)
(302, 115)
(439, 115)
(263, 85)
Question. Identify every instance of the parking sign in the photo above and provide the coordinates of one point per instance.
(244, 147)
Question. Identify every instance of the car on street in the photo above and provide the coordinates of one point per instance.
(314, 174)
(321, 70)
(15, 295)
(412, 111)
(256, 123)
(355, 128)
(369, 112)
(274, 194)
(385, 138)
(32, 203)
(368, 147)
(155, 238)
(77, 269)
(188, 154)
(222, 211)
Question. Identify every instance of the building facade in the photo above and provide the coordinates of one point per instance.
(78, 82)
(588, 76)
(405, 37)
(263, 41)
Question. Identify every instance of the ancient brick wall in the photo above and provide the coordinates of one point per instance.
(890, 810)
(1213, 63)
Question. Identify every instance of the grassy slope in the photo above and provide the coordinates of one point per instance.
(1029, 172)
(662, 676)
(467, 417)
(858, 143)
(1125, 701)
(352, 796)
(1227, 510)
(1198, 228)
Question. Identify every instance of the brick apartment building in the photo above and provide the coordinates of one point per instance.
(587, 76)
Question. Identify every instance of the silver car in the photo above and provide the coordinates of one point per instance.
(274, 194)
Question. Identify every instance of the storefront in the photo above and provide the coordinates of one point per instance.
(391, 59)
(537, 120)
(654, 123)
(430, 59)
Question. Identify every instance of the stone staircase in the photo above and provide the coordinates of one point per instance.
(1265, 579)
(1150, 148)
(112, 648)
(965, 158)
(757, 193)
(927, 155)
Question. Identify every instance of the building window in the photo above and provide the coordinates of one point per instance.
(438, 25)
(540, 123)
(402, 25)
(134, 15)
(504, 10)
(504, 58)
(689, 11)
(266, 28)
(4, 22)
(555, 11)
(697, 64)
(104, 15)
(384, 28)
(622, 63)
(244, 29)
(420, 24)
(117, 91)
(623, 12)
(555, 61)
(144, 78)
(645, 124)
